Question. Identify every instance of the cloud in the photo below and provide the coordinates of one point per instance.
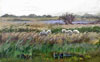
(25, 7)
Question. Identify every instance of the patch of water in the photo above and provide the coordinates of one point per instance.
(61, 22)
(51, 22)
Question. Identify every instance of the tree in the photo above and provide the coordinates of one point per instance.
(32, 15)
(46, 16)
(91, 16)
(8, 15)
(67, 18)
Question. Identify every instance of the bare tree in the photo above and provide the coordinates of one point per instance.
(67, 18)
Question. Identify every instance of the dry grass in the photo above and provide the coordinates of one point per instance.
(88, 19)
(60, 38)
(41, 26)
(28, 19)
(53, 38)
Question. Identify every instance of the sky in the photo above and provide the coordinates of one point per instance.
(52, 7)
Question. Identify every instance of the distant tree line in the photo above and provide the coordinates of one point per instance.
(86, 15)
(8, 15)
(90, 16)
(29, 16)
(34, 15)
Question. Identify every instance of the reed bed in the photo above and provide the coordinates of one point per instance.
(53, 38)
(33, 45)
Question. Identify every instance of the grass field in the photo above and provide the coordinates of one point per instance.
(22, 43)
(41, 18)
(28, 19)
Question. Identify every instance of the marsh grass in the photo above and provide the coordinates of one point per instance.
(25, 40)
(50, 43)
(43, 52)
(41, 48)
(27, 18)
(54, 30)
(61, 38)
(13, 49)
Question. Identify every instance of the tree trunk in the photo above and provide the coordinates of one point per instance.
(70, 22)
(66, 22)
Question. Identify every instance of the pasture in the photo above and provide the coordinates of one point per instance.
(22, 43)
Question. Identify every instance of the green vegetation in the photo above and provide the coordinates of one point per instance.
(22, 43)
(82, 29)
(27, 28)
(32, 49)
(14, 44)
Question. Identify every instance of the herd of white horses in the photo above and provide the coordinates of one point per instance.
(69, 32)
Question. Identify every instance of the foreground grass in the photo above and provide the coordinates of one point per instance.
(40, 59)
(42, 52)
(13, 49)
(15, 42)
(91, 37)
(31, 44)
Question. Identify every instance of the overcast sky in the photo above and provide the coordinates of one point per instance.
(53, 7)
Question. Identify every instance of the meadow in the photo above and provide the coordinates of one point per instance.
(27, 18)
(22, 43)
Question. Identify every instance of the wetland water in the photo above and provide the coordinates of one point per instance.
(50, 22)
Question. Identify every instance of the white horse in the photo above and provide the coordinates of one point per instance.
(76, 32)
(44, 32)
